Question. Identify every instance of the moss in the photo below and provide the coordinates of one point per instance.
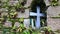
(56, 17)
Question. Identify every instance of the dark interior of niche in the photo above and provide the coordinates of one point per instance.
(40, 3)
(45, 22)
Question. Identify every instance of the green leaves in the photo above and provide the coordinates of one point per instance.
(12, 17)
(46, 29)
(4, 0)
(26, 32)
(21, 19)
(22, 26)
(2, 19)
(18, 5)
(12, 14)
(14, 27)
(4, 5)
(54, 2)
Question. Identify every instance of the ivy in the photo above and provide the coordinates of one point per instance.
(12, 13)
(4, 1)
(54, 2)
(2, 20)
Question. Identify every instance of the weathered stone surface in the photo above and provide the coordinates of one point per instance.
(17, 24)
(53, 11)
(26, 23)
(8, 24)
(28, 3)
(13, 3)
(3, 10)
(54, 23)
(4, 14)
(26, 13)
(23, 15)
(47, 2)
(1, 32)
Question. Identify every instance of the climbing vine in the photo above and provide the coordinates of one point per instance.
(9, 12)
(54, 2)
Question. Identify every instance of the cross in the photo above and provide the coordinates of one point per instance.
(38, 14)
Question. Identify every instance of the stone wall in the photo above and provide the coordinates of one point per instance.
(54, 12)
(24, 15)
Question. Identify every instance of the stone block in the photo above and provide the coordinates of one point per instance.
(26, 23)
(12, 3)
(53, 11)
(23, 15)
(8, 24)
(1, 32)
(17, 24)
(54, 23)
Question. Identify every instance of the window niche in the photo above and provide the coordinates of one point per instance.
(40, 3)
